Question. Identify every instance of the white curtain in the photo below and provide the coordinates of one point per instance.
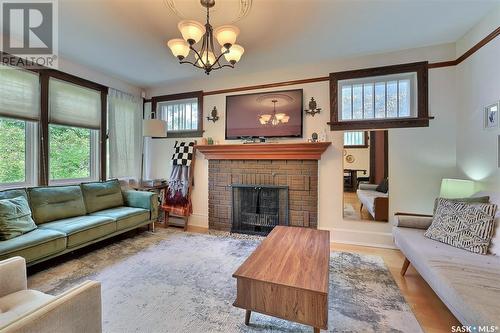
(125, 135)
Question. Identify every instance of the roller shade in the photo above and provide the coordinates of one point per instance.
(74, 105)
(19, 94)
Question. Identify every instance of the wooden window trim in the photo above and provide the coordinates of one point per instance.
(422, 119)
(366, 145)
(198, 133)
(43, 154)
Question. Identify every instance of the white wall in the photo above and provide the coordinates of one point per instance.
(361, 160)
(419, 158)
(478, 85)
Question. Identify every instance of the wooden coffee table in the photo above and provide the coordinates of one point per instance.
(287, 277)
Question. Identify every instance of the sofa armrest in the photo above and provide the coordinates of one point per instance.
(415, 221)
(12, 275)
(142, 199)
(77, 310)
(371, 187)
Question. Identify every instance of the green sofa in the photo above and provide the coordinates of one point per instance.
(71, 217)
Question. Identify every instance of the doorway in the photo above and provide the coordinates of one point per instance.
(366, 170)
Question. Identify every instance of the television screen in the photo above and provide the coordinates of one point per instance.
(270, 114)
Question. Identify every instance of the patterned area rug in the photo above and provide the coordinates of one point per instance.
(170, 281)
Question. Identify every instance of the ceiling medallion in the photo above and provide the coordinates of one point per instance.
(206, 58)
(179, 9)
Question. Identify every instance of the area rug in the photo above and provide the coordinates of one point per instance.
(170, 281)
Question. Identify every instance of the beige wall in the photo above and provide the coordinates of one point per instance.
(361, 160)
(415, 171)
(478, 85)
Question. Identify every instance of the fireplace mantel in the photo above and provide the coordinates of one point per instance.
(265, 151)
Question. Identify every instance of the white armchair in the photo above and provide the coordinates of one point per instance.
(22, 310)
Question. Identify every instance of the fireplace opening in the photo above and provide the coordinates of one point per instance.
(257, 209)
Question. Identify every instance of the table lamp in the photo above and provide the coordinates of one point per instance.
(456, 188)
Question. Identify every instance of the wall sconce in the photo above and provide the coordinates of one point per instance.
(214, 116)
(313, 107)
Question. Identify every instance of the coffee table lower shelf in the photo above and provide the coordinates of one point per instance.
(297, 305)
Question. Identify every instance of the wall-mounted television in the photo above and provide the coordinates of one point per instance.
(269, 114)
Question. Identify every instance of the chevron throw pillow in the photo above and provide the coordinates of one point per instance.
(468, 226)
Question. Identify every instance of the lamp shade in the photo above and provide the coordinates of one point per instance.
(154, 128)
(179, 47)
(226, 34)
(234, 54)
(456, 188)
(191, 30)
(203, 61)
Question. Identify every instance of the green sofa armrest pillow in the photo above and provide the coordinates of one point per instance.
(142, 199)
(56, 202)
(15, 218)
(102, 195)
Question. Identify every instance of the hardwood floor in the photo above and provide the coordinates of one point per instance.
(430, 311)
(351, 199)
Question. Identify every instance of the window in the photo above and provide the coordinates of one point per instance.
(182, 112)
(19, 114)
(392, 96)
(358, 139)
(74, 123)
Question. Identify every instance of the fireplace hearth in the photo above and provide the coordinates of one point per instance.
(257, 209)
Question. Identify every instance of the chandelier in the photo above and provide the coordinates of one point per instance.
(274, 119)
(206, 58)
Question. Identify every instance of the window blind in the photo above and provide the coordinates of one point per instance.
(74, 105)
(19, 94)
(181, 115)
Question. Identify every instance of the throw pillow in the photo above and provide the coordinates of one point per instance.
(482, 199)
(468, 226)
(383, 186)
(183, 154)
(15, 218)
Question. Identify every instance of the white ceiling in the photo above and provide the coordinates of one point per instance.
(127, 38)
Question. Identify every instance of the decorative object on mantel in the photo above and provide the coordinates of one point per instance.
(313, 107)
(350, 159)
(265, 151)
(491, 115)
(207, 58)
(210, 141)
(204, 141)
(314, 137)
(247, 139)
(213, 115)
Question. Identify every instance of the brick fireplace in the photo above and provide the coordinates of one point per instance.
(294, 166)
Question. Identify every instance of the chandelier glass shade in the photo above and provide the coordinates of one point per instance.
(274, 119)
(206, 56)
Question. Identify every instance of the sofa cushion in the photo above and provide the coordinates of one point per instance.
(34, 245)
(13, 193)
(20, 303)
(82, 229)
(466, 282)
(102, 195)
(468, 226)
(383, 187)
(367, 198)
(15, 218)
(56, 202)
(473, 199)
(126, 217)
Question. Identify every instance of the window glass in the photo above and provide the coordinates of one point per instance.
(180, 115)
(13, 151)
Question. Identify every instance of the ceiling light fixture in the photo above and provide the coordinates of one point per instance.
(206, 58)
(274, 119)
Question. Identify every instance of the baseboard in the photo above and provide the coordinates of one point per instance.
(362, 238)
